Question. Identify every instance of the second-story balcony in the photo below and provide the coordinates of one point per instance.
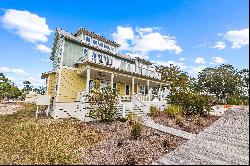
(113, 62)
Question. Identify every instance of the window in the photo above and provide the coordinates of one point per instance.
(95, 42)
(127, 88)
(91, 84)
(108, 47)
(103, 84)
(100, 58)
(104, 58)
(94, 56)
(142, 89)
(114, 85)
(107, 60)
(85, 51)
(100, 44)
(87, 39)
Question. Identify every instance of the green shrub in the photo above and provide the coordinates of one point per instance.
(103, 103)
(173, 110)
(132, 118)
(136, 130)
(179, 120)
(192, 103)
(242, 100)
(154, 111)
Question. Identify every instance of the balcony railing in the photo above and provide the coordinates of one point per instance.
(107, 60)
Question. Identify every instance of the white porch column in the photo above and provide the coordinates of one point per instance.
(112, 80)
(160, 92)
(90, 52)
(148, 90)
(87, 79)
(133, 86)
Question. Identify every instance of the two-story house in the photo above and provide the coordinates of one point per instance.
(80, 58)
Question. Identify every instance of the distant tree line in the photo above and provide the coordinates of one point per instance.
(8, 90)
(194, 95)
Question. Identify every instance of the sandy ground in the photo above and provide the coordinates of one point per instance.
(9, 108)
(219, 110)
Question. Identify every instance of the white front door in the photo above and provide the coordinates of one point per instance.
(103, 84)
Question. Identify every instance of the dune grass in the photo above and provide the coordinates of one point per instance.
(26, 140)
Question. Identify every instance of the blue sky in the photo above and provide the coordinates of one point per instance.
(192, 34)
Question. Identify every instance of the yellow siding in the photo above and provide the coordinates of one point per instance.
(136, 88)
(121, 87)
(51, 84)
(70, 84)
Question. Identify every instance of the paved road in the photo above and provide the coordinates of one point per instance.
(225, 142)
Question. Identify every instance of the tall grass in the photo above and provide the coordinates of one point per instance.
(26, 140)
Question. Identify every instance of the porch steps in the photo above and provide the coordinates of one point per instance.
(136, 110)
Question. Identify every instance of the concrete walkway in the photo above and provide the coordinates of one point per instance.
(147, 121)
(225, 142)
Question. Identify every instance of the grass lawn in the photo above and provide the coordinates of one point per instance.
(26, 140)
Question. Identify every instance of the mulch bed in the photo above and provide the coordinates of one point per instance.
(190, 123)
(120, 148)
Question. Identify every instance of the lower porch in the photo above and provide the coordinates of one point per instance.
(129, 87)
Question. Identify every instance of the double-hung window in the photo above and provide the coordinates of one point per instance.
(127, 89)
(100, 58)
(142, 89)
(94, 57)
(87, 39)
(85, 51)
(95, 42)
(100, 44)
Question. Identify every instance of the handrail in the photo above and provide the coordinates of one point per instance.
(135, 100)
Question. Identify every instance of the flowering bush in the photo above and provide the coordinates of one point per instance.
(173, 110)
(103, 103)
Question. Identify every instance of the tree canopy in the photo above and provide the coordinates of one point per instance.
(220, 81)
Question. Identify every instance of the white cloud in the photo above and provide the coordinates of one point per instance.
(168, 63)
(122, 36)
(13, 71)
(220, 45)
(182, 59)
(142, 31)
(18, 76)
(194, 70)
(143, 40)
(44, 49)
(28, 26)
(155, 41)
(239, 38)
(200, 60)
(218, 60)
